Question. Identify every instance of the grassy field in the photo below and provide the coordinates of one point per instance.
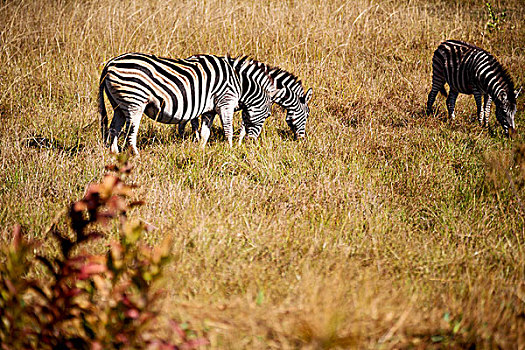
(383, 229)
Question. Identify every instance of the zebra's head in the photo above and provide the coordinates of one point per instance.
(506, 110)
(292, 98)
(254, 114)
(298, 112)
(259, 91)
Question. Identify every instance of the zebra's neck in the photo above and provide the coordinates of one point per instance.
(251, 74)
(496, 79)
(289, 81)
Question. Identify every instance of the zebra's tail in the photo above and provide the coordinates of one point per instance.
(443, 91)
(102, 106)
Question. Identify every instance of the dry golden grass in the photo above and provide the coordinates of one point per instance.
(384, 229)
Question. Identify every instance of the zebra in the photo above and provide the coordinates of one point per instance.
(175, 91)
(469, 69)
(290, 96)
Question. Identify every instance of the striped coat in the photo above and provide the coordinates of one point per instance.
(471, 70)
(293, 99)
(290, 95)
(175, 91)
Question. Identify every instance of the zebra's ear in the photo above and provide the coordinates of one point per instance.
(308, 95)
(517, 93)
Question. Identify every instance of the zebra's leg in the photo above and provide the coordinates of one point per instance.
(226, 114)
(245, 122)
(195, 128)
(431, 98)
(108, 140)
(135, 114)
(451, 103)
(182, 126)
(486, 108)
(438, 85)
(479, 110)
(242, 133)
(115, 128)
(207, 122)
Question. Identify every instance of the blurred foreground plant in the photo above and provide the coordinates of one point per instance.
(496, 19)
(87, 301)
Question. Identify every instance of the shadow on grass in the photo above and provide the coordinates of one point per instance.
(153, 136)
(437, 114)
(43, 142)
(463, 123)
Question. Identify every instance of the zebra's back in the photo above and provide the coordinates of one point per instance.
(467, 68)
(173, 90)
(456, 61)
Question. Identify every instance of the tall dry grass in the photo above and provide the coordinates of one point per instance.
(384, 229)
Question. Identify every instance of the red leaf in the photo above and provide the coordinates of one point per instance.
(96, 346)
(192, 344)
(79, 206)
(90, 269)
(122, 338)
(72, 292)
(133, 313)
(175, 326)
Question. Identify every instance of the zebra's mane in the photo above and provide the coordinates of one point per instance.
(296, 82)
(464, 43)
(245, 61)
(269, 70)
(508, 84)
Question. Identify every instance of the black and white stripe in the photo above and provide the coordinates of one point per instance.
(290, 95)
(253, 76)
(471, 70)
(176, 91)
(293, 99)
